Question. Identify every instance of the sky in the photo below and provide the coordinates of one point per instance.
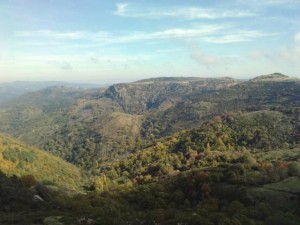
(122, 41)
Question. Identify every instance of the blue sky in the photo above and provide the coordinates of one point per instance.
(118, 41)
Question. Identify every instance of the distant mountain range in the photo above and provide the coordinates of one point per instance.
(10, 90)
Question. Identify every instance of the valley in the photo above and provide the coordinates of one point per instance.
(168, 150)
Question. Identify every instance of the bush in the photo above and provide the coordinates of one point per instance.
(16, 154)
(28, 180)
(294, 169)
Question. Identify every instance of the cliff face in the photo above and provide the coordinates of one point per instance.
(146, 95)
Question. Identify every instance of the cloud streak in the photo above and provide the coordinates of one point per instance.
(239, 36)
(58, 35)
(203, 58)
(217, 34)
(191, 13)
(284, 54)
(117, 59)
(292, 53)
(63, 65)
(297, 37)
(270, 2)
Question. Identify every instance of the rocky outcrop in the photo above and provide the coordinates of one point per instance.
(146, 95)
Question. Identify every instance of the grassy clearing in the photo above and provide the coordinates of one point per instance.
(291, 184)
(281, 154)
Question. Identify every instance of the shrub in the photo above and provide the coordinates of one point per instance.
(294, 169)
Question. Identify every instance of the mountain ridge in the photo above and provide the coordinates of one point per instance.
(91, 126)
(11, 90)
(274, 77)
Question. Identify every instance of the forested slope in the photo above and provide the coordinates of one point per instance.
(89, 127)
(236, 168)
(17, 159)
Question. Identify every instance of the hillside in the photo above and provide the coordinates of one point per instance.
(77, 120)
(17, 159)
(88, 127)
(215, 174)
(160, 93)
(222, 139)
(11, 90)
(196, 108)
(209, 152)
(275, 77)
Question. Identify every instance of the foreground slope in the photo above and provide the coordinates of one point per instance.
(230, 170)
(239, 168)
(18, 159)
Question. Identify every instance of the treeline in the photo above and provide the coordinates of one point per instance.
(17, 159)
(215, 174)
(223, 139)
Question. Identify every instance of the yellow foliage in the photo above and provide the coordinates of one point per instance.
(6, 165)
(100, 183)
(21, 160)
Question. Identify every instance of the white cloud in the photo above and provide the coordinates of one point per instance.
(238, 36)
(118, 59)
(185, 12)
(203, 58)
(297, 37)
(184, 33)
(51, 34)
(121, 8)
(63, 65)
(283, 55)
(216, 64)
(106, 38)
(269, 2)
(280, 2)
(292, 53)
(213, 33)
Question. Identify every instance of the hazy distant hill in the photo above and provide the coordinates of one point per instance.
(273, 77)
(12, 90)
(171, 79)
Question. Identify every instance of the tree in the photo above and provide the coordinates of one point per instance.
(220, 145)
(294, 169)
(100, 184)
(28, 180)
(207, 150)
